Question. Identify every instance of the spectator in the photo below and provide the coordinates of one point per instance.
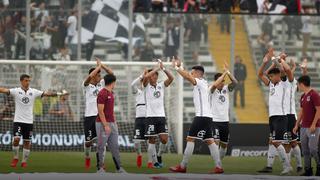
(293, 6)
(40, 13)
(72, 27)
(142, 5)
(225, 7)
(191, 6)
(265, 42)
(267, 27)
(157, 5)
(306, 32)
(317, 5)
(147, 53)
(8, 36)
(294, 24)
(21, 33)
(205, 24)
(51, 28)
(172, 40)
(63, 55)
(203, 6)
(193, 28)
(240, 73)
(62, 110)
(62, 28)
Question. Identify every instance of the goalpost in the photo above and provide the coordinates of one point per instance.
(52, 132)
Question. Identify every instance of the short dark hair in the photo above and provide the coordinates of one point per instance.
(92, 69)
(305, 80)
(274, 71)
(217, 75)
(109, 79)
(24, 76)
(152, 70)
(198, 68)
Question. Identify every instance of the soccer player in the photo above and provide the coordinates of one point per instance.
(201, 127)
(293, 147)
(278, 121)
(309, 120)
(106, 126)
(139, 125)
(219, 103)
(91, 87)
(24, 98)
(156, 124)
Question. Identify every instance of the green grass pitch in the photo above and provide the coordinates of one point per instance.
(73, 162)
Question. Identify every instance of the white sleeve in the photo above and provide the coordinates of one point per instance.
(134, 85)
(197, 81)
(37, 92)
(103, 84)
(13, 91)
(69, 19)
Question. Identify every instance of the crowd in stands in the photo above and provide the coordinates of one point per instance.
(224, 6)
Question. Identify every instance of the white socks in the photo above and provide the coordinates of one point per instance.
(187, 154)
(296, 151)
(283, 156)
(162, 149)
(87, 151)
(15, 150)
(26, 153)
(272, 151)
(137, 146)
(152, 153)
(222, 152)
(214, 152)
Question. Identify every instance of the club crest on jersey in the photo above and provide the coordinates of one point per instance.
(25, 100)
(222, 98)
(157, 94)
(95, 92)
(30, 94)
(272, 91)
(308, 98)
(201, 133)
(224, 91)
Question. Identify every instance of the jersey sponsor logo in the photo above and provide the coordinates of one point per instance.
(30, 94)
(272, 91)
(201, 133)
(25, 100)
(224, 91)
(157, 94)
(222, 99)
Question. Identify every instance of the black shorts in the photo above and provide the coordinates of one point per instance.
(89, 125)
(22, 129)
(223, 130)
(278, 128)
(155, 126)
(139, 128)
(291, 123)
(202, 128)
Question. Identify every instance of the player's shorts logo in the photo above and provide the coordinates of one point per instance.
(272, 91)
(156, 94)
(201, 133)
(25, 100)
(222, 99)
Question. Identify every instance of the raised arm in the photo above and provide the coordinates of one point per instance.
(234, 81)
(263, 77)
(293, 66)
(51, 94)
(218, 81)
(273, 65)
(136, 83)
(176, 63)
(93, 73)
(148, 75)
(4, 90)
(287, 70)
(303, 66)
(170, 78)
(104, 67)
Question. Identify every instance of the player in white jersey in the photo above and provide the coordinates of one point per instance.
(156, 124)
(91, 87)
(292, 148)
(201, 127)
(24, 98)
(278, 121)
(219, 102)
(139, 124)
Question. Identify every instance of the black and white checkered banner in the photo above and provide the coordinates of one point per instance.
(109, 20)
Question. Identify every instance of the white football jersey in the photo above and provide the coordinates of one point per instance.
(290, 101)
(219, 103)
(140, 104)
(155, 100)
(277, 94)
(201, 98)
(24, 101)
(91, 92)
